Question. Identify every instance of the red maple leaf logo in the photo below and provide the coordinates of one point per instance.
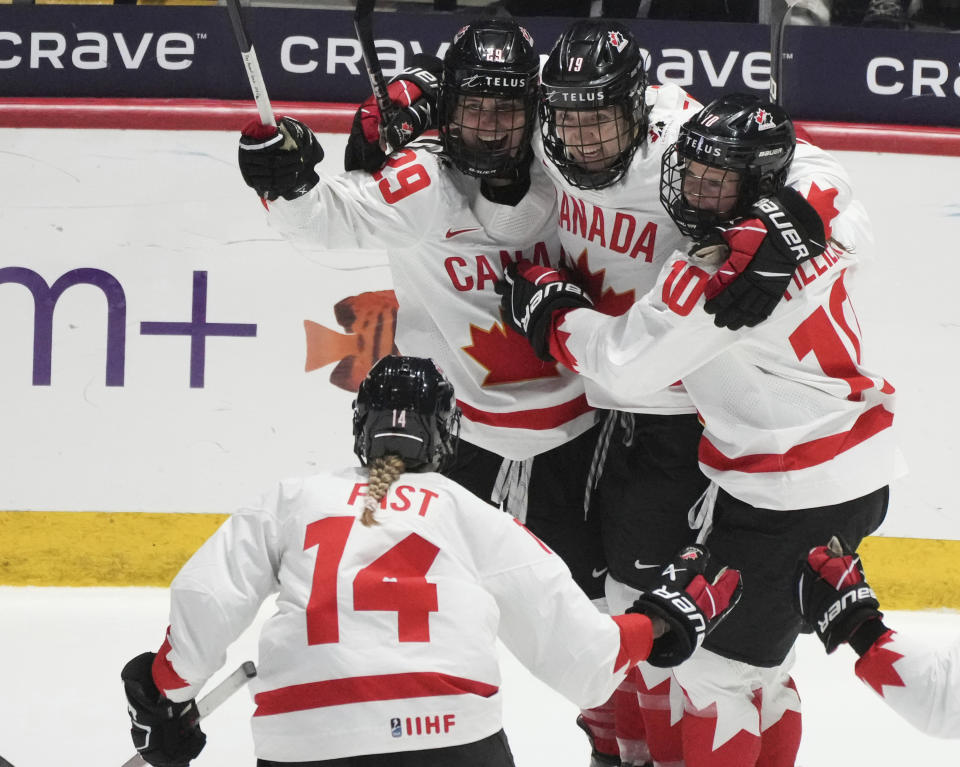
(822, 201)
(506, 356)
(606, 300)
(876, 666)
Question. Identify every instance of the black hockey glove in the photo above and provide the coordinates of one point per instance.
(529, 295)
(688, 603)
(414, 92)
(279, 162)
(764, 250)
(835, 599)
(166, 734)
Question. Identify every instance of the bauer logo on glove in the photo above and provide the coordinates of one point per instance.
(689, 604)
(530, 294)
(784, 226)
(550, 290)
(832, 593)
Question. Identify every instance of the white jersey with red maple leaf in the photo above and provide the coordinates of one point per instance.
(921, 683)
(447, 246)
(792, 417)
(618, 238)
(384, 637)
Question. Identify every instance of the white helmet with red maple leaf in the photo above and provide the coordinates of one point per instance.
(738, 133)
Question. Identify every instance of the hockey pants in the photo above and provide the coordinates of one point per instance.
(738, 715)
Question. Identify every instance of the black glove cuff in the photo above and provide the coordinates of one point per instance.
(137, 676)
(541, 324)
(424, 71)
(868, 632)
(675, 645)
(842, 627)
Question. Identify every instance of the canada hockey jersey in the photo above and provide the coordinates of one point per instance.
(447, 246)
(619, 238)
(919, 682)
(792, 417)
(384, 638)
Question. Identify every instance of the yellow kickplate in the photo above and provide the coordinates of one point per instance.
(87, 548)
(912, 573)
(81, 548)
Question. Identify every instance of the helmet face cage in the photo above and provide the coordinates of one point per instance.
(406, 406)
(488, 98)
(736, 150)
(592, 103)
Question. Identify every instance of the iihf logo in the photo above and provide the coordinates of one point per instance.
(396, 729)
(617, 40)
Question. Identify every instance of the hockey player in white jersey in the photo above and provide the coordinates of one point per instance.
(797, 436)
(449, 222)
(920, 682)
(393, 585)
(604, 131)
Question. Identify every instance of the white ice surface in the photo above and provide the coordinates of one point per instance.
(61, 703)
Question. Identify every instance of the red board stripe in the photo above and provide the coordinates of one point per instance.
(213, 114)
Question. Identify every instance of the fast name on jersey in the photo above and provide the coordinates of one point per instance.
(399, 498)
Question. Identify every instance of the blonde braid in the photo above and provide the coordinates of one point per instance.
(383, 473)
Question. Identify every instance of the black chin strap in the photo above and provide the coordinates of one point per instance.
(510, 193)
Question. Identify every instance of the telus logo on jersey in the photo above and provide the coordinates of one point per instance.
(422, 725)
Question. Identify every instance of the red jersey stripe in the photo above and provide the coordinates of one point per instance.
(538, 418)
(164, 677)
(360, 689)
(804, 455)
(636, 639)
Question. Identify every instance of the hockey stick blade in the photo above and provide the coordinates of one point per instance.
(209, 702)
(363, 26)
(251, 65)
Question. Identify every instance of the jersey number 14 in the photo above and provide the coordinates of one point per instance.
(394, 582)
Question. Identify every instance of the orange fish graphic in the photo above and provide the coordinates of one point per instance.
(370, 322)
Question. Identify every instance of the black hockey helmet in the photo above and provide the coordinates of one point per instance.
(594, 77)
(406, 406)
(737, 132)
(488, 97)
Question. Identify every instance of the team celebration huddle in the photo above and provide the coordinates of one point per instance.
(663, 488)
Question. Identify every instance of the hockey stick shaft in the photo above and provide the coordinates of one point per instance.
(213, 699)
(250, 64)
(363, 25)
(780, 15)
